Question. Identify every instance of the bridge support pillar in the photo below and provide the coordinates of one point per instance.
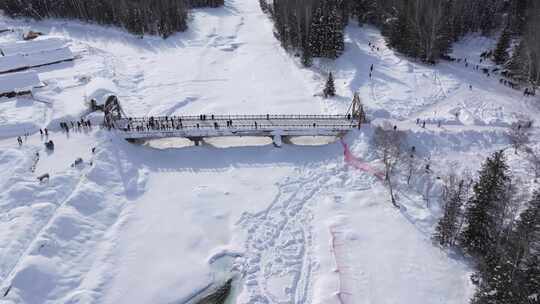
(286, 140)
(196, 140)
(138, 141)
(277, 140)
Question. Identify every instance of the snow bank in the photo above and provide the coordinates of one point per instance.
(100, 89)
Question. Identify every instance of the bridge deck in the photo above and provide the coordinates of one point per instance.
(235, 125)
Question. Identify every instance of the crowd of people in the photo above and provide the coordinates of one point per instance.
(64, 126)
(505, 78)
(76, 125)
(167, 123)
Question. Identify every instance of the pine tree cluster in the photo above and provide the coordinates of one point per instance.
(311, 28)
(485, 224)
(523, 24)
(423, 29)
(153, 17)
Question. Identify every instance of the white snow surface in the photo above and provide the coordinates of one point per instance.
(149, 223)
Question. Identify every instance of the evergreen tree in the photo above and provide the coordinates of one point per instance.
(307, 60)
(496, 284)
(316, 34)
(326, 37)
(519, 64)
(400, 35)
(531, 279)
(329, 89)
(335, 42)
(486, 209)
(500, 55)
(512, 275)
(157, 17)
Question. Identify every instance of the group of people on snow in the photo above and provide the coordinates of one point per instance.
(75, 125)
(486, 71)
(44, 132)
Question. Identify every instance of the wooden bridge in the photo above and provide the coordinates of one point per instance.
(196, 128)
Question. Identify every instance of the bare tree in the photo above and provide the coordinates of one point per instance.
(411, 162)
(533, 157)
(389, 144)
(428, 186)
(456, 191)
(518, 136)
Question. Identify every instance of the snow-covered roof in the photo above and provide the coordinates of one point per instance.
(49, 56)
(18, 82)
(20, 61)
(11, 63)
(27, 47)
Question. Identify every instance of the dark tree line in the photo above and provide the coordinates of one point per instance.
(523, 26)
(487, 225)
(423, 29)
(156, 17)
(311, 28)
(205, 3)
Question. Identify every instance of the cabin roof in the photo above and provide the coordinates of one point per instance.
(27, 47)
(16, 62)
(18, 82)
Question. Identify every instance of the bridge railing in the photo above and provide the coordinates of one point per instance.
(249, 127)
(240, 117)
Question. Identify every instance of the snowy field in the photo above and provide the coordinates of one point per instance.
(158, 223)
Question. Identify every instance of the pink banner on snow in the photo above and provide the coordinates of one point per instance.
(359, 164)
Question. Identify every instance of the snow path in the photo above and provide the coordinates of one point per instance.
(72, 229)
(210, 68)
(75, 181)
(279, 241)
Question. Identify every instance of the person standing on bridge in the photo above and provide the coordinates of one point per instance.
(255, 125)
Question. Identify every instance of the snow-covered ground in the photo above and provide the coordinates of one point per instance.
(158, 223)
